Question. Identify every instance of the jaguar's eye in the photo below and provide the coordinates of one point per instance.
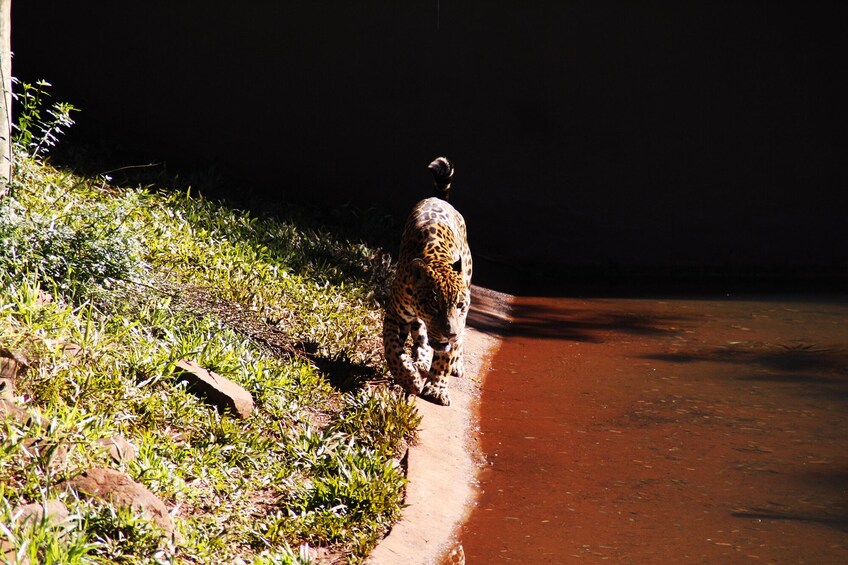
(460, 305)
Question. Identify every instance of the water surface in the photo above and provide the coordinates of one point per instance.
(671, 431)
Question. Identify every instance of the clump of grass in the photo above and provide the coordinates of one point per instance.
(378, 419)
(76, 250)
(123, 536)
(141, 278)
(346, 494)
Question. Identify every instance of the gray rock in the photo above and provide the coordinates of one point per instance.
(71, 349)
(11, 411)
(120, 490)
(54, 510)
(9, 555)
(56, 513)
(215, 389)
(119, 448)
(47, 452)
(13, 364)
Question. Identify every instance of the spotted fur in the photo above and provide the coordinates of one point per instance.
(430, 295)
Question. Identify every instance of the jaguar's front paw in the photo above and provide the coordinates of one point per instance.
(413, 390)
(413, 383)
(434, 395)
(423, 357)
(413, 387)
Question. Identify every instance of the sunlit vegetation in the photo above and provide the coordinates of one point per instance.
(140, 278)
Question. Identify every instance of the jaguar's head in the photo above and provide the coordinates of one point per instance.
(443, 299)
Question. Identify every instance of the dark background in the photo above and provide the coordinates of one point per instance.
(589, 137)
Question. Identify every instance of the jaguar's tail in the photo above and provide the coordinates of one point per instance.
(442, 175)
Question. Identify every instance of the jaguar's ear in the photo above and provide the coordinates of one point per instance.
(418, 269)
(457, 266)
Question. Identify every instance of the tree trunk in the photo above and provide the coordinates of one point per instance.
(6, 101)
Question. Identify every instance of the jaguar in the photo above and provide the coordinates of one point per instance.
(430, 295)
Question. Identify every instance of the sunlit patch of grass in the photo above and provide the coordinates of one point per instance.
(118, 273)
(379, 419)
(123, 536)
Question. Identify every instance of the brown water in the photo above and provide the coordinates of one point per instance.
(666, 431)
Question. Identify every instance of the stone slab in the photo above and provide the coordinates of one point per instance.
(215, 389)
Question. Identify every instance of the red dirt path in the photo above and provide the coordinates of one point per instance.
(674, 431)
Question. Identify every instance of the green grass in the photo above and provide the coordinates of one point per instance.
(141, 278)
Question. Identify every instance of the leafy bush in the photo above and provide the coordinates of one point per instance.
(36, 133)
(62, 245)
(68, 249)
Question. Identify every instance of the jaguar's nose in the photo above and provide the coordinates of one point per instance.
(441, 345)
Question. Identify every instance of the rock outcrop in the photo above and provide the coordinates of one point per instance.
(120, 490)
(215, 389)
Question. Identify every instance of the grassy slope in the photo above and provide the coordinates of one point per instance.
(140, 279)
